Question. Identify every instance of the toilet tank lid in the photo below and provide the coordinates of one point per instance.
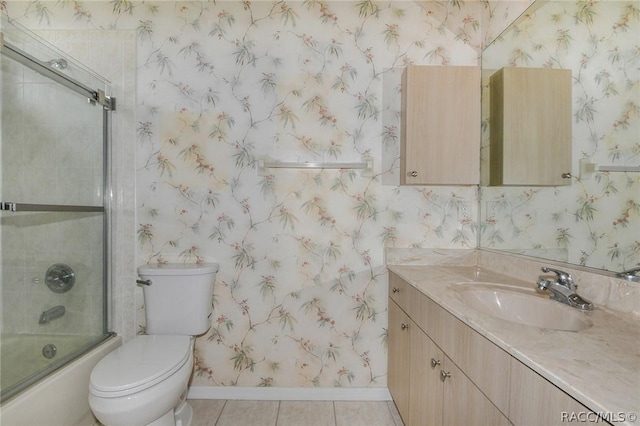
(179, 269)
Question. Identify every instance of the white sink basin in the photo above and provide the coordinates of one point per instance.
(521, 305)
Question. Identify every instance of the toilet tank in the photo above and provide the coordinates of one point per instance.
(178, 299)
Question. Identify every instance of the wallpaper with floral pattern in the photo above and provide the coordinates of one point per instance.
(301, 295)
(595, 221)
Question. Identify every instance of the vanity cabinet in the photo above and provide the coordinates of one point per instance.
(442, 372)
(440, 125)
(425, 385)
(398, 374)
(530, 127)
(413, 378)
(530, 392)
(428, 387)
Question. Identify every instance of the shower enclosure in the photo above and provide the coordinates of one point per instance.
(54, 218)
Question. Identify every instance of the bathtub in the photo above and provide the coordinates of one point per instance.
(59, 399)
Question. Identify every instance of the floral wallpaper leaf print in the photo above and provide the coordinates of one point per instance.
(301, 295)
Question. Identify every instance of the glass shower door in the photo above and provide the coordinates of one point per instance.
(54, 223)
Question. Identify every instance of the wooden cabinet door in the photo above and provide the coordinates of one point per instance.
(464, 403)
(398, 374)
(534, 400)
(530, 127)
(440, 130)
(482, 361)
(425, 401)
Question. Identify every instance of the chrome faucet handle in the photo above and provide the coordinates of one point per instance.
(563, 289)
(543, 284)
(630, 274)
(564, 278)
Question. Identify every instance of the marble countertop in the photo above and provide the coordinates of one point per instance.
(599, 366)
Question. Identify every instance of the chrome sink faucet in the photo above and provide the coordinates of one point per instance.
(630, 274)
(563, 289)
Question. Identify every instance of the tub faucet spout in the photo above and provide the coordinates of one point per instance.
(51, 314)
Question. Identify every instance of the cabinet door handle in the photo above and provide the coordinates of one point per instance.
(434, 362)
(444, 375)
(414, 174)
(404, 326)
(396, 290)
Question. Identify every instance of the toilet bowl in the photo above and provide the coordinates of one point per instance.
(144, 382)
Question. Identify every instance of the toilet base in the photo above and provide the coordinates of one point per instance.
(167, 419)
(183, 414)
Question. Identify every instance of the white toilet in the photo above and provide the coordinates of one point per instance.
(144, 382)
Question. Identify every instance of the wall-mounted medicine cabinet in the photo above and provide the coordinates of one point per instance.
(440, 130)
(530, 127)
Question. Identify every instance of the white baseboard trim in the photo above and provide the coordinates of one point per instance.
(289, 394)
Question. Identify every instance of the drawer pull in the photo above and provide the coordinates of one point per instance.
(396, 290)
(404, 326)
(434, 362)
(444, 375)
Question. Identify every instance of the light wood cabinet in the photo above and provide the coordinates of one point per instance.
(427, 386)
(483, 383)
(426, 404)
(398, 374)
(465, 404)
(530, 127)
(533, 397)
(440, 129)
(482, 361)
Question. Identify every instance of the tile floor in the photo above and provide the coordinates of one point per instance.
(212, 412)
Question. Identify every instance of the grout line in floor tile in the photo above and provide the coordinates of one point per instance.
(278, 412)
(396, 420)
(221, 411)
(391, 414)
(395, 414)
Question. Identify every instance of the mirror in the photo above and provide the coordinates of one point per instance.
(594, 221)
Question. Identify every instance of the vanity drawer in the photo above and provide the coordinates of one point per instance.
(401, 292)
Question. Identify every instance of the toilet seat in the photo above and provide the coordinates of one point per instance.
(139, 364)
